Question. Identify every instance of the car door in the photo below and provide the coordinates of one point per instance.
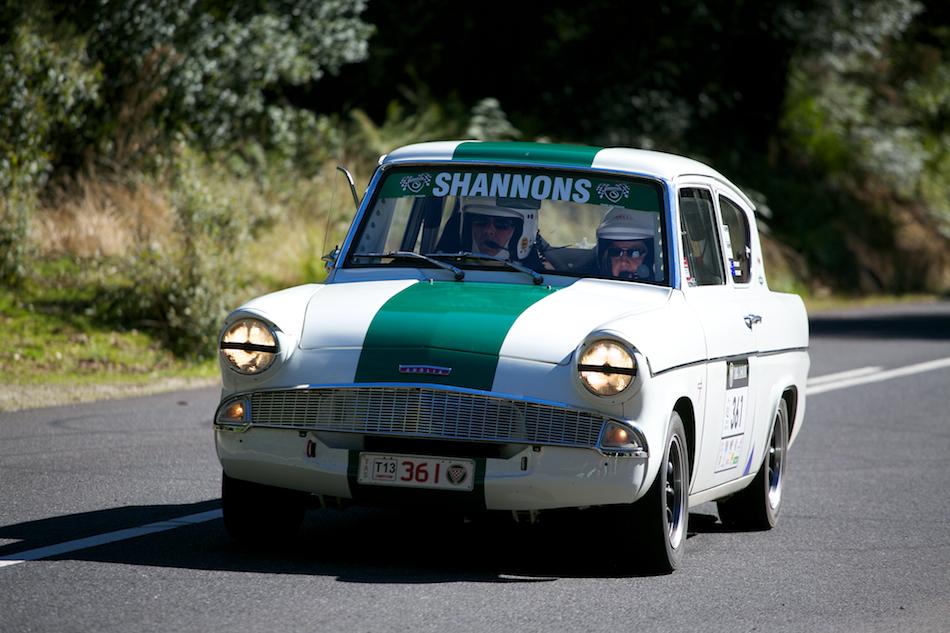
(727, 399)
(777, 320)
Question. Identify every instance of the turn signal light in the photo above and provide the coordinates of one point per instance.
(618, 436)
(233, 415)
(235, 412)
(621, 439)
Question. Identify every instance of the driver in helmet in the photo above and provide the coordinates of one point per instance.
(501, 227)
(625, 244)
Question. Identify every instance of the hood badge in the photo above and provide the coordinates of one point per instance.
(425, 369)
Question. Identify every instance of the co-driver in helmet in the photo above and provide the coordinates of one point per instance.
(625, 244)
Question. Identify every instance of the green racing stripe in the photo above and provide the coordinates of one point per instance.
(444, 333)
(551, 153)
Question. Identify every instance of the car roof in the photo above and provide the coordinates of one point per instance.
(624, 159)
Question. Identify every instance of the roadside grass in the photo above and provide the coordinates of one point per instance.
(831, 302)
(63, 345)
(315, 215)
(58, 348)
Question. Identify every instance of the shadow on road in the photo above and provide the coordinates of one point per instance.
(361, 545)
(930, 324)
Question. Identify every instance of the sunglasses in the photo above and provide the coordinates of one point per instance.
(613, 251)
(501, 224)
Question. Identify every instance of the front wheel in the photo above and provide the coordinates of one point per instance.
(255, 514)
(663, 514)
(758, 506)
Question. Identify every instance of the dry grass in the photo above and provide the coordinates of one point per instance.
(94, 217)
(314, 217)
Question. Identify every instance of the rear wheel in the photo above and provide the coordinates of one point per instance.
(758, 506)
(256, 514)
(663, 514)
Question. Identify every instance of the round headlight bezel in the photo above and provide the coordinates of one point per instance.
(607, 367)
(249, 346)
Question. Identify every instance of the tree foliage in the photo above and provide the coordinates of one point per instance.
(215, 70)
(669, 74)
(120, 82)
(835, 110)
(135, 87)
(46, 82)
(868, 108)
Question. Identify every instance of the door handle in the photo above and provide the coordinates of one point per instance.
(751, 319)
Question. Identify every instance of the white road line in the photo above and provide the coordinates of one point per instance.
(111, 537)
(843, 375)
(863, 377)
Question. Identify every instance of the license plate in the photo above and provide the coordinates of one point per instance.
(417, 472)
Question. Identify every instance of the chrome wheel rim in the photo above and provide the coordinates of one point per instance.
(775, 476)
(676, 492)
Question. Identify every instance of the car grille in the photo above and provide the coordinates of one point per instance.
(427, 413)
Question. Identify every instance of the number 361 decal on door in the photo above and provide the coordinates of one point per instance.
(733, 422)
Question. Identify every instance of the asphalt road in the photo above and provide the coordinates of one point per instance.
(109, 521)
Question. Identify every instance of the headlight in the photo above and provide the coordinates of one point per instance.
(607, 367)
(249, 346)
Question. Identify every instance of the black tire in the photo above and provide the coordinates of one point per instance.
(255, 514)
(758, 506)
(663, 514)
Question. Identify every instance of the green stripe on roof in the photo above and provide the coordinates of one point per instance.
(454, 325)
(551, 153)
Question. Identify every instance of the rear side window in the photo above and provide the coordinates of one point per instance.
(737, 239)
(701, 251)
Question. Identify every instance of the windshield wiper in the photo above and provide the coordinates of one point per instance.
(536, 276)
(458, 272)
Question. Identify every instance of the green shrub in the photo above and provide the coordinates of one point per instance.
(215, 70)
(45, 82)
(183, 288)
(16, 209)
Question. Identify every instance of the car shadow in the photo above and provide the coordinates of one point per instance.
(359, 545)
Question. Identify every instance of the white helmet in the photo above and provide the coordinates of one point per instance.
(623, 225)
(523, 212)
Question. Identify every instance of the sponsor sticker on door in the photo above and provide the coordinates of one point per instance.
(734, 416)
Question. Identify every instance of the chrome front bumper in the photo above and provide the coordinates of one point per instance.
(524, 477)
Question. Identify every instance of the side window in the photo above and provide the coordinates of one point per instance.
(700, 238)
(735, 231)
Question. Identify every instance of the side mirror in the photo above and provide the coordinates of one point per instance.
(349, 178)
(330, 259)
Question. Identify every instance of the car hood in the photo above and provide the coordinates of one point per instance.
(405, 328)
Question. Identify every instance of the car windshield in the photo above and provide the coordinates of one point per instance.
(582, 224)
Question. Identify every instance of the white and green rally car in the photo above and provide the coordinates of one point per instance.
(523, 327)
